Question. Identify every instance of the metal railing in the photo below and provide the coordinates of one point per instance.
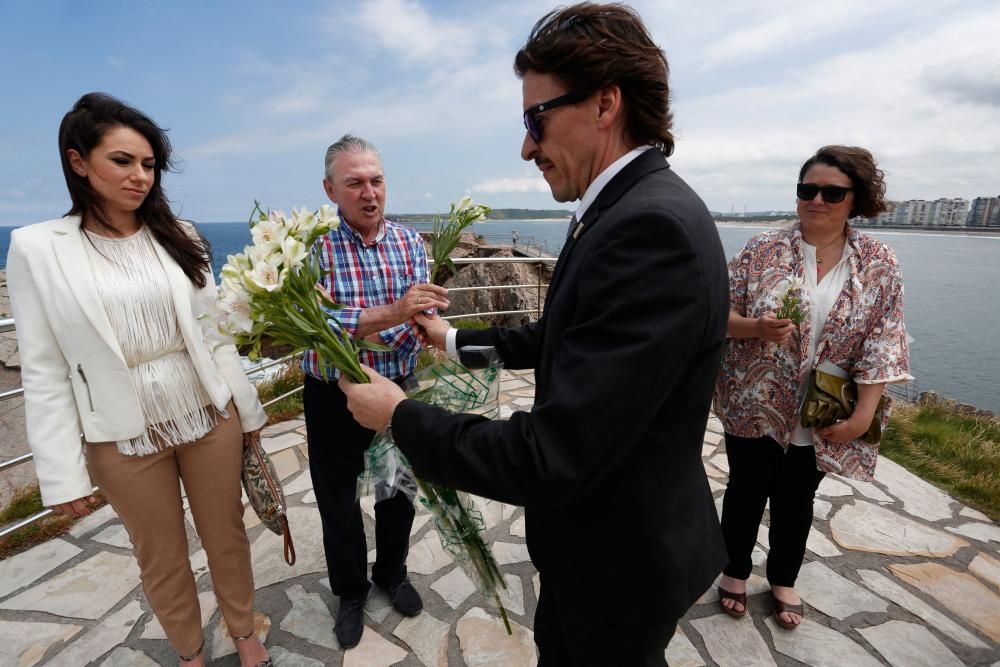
(8, 325)
(907, 392)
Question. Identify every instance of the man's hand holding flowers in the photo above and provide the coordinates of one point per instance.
(432, 330)
(372, 404)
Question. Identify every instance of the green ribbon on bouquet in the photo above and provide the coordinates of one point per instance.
(449, 385)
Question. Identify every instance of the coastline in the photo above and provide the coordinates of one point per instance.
(988, 232)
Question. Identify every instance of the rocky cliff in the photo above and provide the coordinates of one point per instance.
(494, 300)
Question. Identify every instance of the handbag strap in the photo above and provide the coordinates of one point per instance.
(289, 545)
(258, 452)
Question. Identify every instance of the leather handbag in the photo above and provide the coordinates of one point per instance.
(831, 397)
(264, 491)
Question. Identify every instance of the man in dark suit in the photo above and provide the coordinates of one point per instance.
(620, 519)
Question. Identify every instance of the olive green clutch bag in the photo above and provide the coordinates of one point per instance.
(831, 397)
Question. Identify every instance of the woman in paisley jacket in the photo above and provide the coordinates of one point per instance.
(852, 306)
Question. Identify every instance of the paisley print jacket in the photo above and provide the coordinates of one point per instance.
(757, 391)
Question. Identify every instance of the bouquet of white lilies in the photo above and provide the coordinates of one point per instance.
(271, 290)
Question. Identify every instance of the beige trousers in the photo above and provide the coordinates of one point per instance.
(145, 492)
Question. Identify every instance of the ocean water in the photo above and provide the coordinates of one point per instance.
(950, 300)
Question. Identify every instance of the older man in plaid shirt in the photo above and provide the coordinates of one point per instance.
(378, 271)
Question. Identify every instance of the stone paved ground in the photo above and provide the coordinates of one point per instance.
(897, 573)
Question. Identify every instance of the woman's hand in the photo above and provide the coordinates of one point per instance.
(770, 328)
(78, 507)
(845, 430)
(860, 420)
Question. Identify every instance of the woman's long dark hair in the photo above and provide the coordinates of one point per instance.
(81, 130)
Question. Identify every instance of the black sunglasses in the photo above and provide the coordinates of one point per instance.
(531, 123)
(832, 194)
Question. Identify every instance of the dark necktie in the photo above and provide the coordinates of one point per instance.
(572, 226)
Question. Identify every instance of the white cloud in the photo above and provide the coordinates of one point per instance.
(515, 185)
(759, 85)
(408, 29)
(887, 97)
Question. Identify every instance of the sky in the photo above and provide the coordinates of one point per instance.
(253, 92)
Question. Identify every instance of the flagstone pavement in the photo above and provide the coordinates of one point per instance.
(896, 573)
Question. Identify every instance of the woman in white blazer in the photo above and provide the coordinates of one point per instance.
(106, 302)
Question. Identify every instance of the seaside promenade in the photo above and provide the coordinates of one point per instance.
(896, 573)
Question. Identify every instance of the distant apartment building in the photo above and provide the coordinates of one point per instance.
(984, 212)
(922, 213)
(949, 212)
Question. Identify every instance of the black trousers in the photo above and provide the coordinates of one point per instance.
(336, 456)
(574, 629)
(759, 468)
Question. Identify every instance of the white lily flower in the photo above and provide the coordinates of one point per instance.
(328, 218)
(235, 306)
(261, 253)
(302, 224)
(239, 262)
(269, 234)
(464, 203)
(266, 275)
(795, 284)
(294, 251)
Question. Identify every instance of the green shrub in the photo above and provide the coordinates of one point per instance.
(288, 378)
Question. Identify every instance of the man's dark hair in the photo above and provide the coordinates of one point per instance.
(589, 47)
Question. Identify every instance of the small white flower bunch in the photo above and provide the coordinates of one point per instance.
(446, 234)
(791, 300)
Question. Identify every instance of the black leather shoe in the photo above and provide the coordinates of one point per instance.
(350, 622)
(405, 598)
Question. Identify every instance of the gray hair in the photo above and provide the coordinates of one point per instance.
(347, 144)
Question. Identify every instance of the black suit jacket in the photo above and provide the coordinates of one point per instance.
(608, 461)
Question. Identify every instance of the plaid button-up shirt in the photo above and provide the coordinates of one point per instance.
(359, 277)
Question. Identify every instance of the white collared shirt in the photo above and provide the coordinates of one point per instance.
(593, 190)
(604, 178)
(823, 295)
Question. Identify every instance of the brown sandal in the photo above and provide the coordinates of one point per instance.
(739, 598)
(266, 662)
(786, 608)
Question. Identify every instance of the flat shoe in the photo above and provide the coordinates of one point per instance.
(740, 598)
(786, 608)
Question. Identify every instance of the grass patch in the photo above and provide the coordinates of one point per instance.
(290, 377)
(958, 453)
(471, 323)
(27, 502)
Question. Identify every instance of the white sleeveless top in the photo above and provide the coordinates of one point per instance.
(135, 292)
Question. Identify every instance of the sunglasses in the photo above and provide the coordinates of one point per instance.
(531, 122)
(832, 194)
